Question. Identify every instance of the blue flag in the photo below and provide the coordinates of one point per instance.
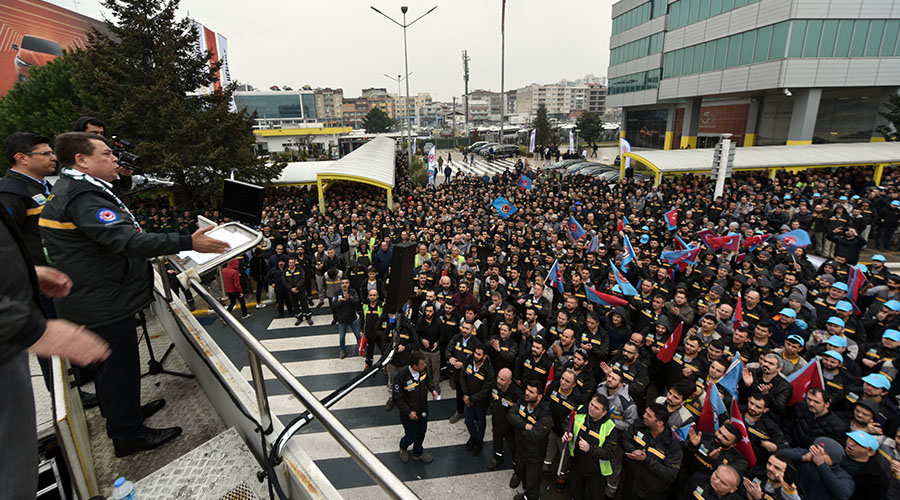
(715, 399)
(524, 182)
(593, 245)
(794, 239)
(555, 277)
(732, 376)
(629, 252)
(504, 207)
(627, 288)
(575, 229)
(681, 433)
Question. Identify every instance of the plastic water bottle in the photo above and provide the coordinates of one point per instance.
(124, 490)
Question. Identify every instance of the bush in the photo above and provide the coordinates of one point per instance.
(418, 173)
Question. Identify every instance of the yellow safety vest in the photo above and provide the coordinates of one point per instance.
(605, 429)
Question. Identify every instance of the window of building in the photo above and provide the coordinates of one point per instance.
(748, 45)
(842, 43)
(876, 32)
(779, 40)
(634, 17)
(685, 12)
(688, 61)
(811, 42)
(734, 50)
(721, 53)
(858, 42)
(709, 55)
(646, 128)
(763, 40)
(845, 117)
(829, 35)
(798, 33)
(891, 30)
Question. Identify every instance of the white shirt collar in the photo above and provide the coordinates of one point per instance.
(415, 374)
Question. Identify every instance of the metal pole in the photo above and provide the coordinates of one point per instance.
(502, 66)
(409, 151)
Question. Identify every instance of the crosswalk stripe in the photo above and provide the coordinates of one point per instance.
(311, 354)
(475, 485)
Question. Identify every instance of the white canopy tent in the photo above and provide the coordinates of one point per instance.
(771, 158)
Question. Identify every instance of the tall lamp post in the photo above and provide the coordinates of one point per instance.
(405, 25)
(398, 79)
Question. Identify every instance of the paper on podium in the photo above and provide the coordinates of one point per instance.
(233, 239)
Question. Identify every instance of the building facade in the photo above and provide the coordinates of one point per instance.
(770, 72)
(330, 105)
(276, 109)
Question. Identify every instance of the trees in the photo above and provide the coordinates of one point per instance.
(892, 115)
(590, 126)
(377, 121)
(142, 79)
(542, 126)
(146, 74)
(48, 103)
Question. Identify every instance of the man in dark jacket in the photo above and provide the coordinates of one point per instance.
(276, 277)
(768, 381)
(24, 327)
(813, 417)
(475, 384)
(294, 283)
(848, 244)
(460, 348)
(403, 339)
(531, 422)
(592, 443)
(90, 235)
(870, 471)
(345, 306)
(504, 396)
(652, 456)
(819, 474)
(410, 394)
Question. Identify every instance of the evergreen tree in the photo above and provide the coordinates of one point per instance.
(146, 74)
(892, 115)
(377, 121)
(590, 126)
(542, 126)
(48, 103)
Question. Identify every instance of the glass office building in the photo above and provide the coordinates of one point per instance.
(279, 105)
(770, 72)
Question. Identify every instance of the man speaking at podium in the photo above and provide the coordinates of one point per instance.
(90, 235)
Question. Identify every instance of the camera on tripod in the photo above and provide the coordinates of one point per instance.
(122, 150)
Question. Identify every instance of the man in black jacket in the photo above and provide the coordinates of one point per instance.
(410, 395)
(275, 276)
(475, 385)
(652, 456)
(24, 327)
(460, 348)
(768, 381)
(531, 421)
(345, 306)
(293, 282)
(813, 417)
(504, 396)
(91, 235)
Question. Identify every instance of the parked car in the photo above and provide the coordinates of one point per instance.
(575, 167)
(475, 145)
(34, 51)
(506, 151)
(484, 148)
(562, 164)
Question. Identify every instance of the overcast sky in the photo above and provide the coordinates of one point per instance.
(343, 43)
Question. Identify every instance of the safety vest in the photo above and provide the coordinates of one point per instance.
(365, 308)
(605, 429)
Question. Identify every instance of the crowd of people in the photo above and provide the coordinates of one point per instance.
(506, 307)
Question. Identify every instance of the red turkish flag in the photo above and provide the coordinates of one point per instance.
(743, 445)
(668, 350)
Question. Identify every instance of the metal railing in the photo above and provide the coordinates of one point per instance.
(258, 356)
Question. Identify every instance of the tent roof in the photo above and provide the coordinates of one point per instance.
(301, 172)
(763, 157)
(372, 163)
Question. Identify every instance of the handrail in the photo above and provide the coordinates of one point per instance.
(329, 401)
(389, 482)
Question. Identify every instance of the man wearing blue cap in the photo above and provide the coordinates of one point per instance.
(875, 387)
(853, 326)
(826, 305)
(790, 359)
(877, 274)
(869, 470)
(874, 355)
(838, 380)
(884, 293)
(878, 319)
(783, 324)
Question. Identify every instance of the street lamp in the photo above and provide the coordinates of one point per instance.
(398, 79)
(405, 25)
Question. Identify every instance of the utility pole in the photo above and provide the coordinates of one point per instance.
(502, 65)
(465, 58)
